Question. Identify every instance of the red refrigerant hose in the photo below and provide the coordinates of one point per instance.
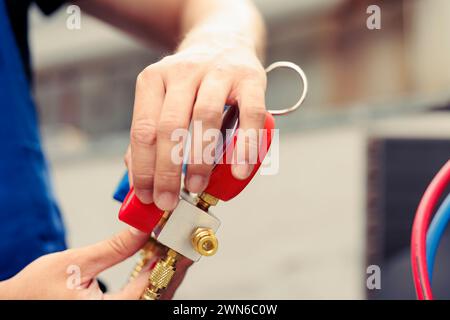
(419, 232)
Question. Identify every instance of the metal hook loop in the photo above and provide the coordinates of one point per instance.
(301, 73)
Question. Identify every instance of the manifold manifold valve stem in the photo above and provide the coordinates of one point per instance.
(205, 241)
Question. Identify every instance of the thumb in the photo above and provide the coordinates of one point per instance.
(107, 253)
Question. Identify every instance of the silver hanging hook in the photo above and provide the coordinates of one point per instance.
(299, 71)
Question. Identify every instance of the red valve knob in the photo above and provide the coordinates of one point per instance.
(141, 216)
(222, 184)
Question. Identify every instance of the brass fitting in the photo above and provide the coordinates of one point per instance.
(139, 265)
(161, 276)
(205, 241)
(205, 200)
(150, 249)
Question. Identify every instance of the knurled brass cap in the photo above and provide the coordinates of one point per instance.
(161, 275)
(205, 242)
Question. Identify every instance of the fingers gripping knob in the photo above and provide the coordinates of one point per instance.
(222, 184)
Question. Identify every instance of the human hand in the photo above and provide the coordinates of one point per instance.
(71, 274)
(193, 84)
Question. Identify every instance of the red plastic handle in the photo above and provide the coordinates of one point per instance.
(222, 184)
(141, 216)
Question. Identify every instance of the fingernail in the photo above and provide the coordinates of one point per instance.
(146, 196)
(242, 171)
(166, 201)
(196, 183)
(136, 232)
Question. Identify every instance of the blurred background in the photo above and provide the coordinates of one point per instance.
(354, 160)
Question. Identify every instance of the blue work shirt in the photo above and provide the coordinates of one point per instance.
(30, 221)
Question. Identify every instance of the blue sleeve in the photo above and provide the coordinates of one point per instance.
(122, 188)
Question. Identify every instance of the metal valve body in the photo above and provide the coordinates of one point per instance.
(181, 227)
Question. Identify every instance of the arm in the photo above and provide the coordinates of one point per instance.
(217, 62)
(170, 21)
(223, 21)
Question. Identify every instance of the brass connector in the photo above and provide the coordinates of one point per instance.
(161, 276)
(139, 265)
(205, 200)
(205, 241)
(150, 249)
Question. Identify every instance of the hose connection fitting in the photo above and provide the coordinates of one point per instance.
(205, 200)
(161, 276)
(205, 242)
